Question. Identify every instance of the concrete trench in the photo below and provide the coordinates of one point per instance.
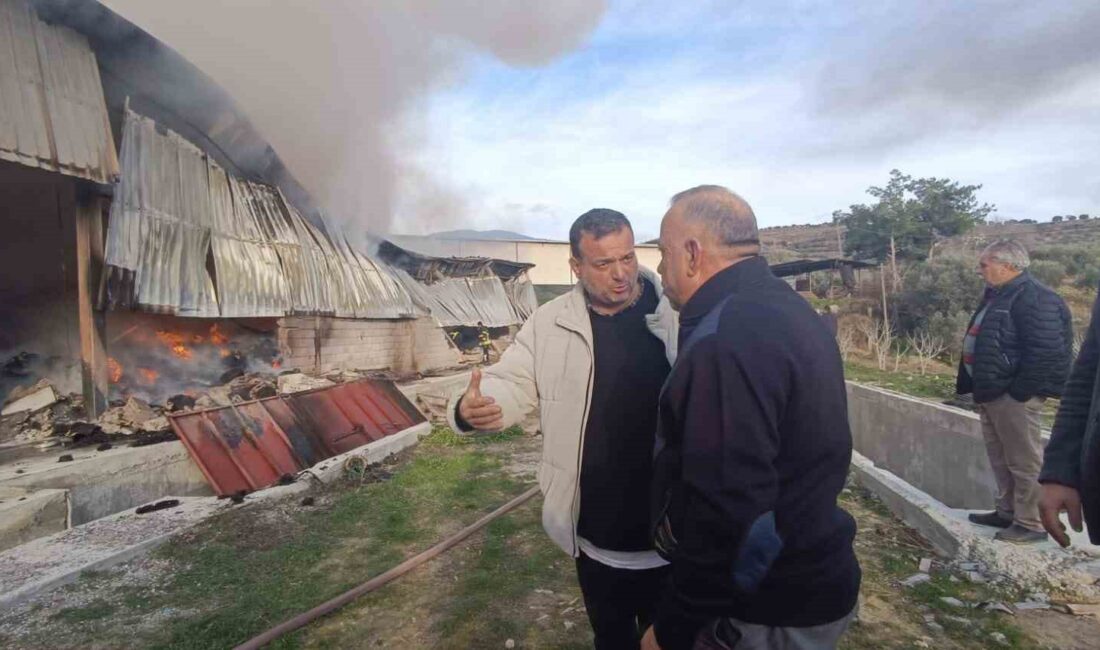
(927, 463)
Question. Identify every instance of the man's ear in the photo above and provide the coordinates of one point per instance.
(694, 256)
(575, 264)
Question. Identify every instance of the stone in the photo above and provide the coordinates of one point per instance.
(969, 566)
(510, 643)
(1081, 609)
(1039, 597)
(138, 412)
(916, 579)
(298, 382)
(998, 638)
(1030, 605)
(31, 398)
(952, 601)
(569, 625)
(976, 577)
(996, 607)
(925, 565)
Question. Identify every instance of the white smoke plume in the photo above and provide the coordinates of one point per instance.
(334, 85)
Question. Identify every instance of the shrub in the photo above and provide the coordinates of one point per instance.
(1049, 272)
(945, 286)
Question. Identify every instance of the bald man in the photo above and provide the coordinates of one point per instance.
(753, 447)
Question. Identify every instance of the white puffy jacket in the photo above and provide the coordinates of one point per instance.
(550, 366)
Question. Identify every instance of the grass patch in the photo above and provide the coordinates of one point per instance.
(931, 386)
(445, 437)
(93, 611)
(254, 566)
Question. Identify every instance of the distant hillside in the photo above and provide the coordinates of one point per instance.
(507, 235)
(820, 240)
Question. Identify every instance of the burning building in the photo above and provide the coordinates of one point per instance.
(157, 244)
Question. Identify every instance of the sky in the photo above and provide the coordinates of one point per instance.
(415, 116)
(798, 108)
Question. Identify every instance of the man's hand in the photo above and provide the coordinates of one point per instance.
(649, 640)
(1056, 499)
(480, 412)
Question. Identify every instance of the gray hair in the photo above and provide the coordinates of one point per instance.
(1007, 251)
(728, 216)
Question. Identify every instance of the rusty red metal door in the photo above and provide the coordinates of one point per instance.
(251, 445)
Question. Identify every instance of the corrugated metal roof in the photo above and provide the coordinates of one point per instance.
(174, 207)
(251, 445)
(52, 111)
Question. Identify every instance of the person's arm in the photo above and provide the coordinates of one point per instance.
(725, 532)
(510, 384)
(1061, 473)
(1040, 326)
(1062, 458)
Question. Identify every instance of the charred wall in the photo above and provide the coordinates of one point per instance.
(323, 343)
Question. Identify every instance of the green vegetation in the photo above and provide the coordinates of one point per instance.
(910, 216)
(931, 386)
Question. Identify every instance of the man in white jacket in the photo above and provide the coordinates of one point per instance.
(593, 362)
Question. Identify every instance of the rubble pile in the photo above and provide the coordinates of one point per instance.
(39, 413)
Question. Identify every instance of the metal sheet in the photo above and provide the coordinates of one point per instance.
(175, 207)
(52, 111)
(251, 445)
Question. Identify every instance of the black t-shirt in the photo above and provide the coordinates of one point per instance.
(630, 368)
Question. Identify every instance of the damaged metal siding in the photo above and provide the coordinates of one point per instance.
(175, 208)
(52, 111)
(251, 445)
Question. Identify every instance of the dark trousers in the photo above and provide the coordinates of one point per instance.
(621, 603)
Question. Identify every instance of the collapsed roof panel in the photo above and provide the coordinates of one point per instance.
(251, 445)
(187, 238)
(52, 111)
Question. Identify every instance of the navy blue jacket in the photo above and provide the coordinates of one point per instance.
(1072, 457)
(1024, 346)
(753, 450)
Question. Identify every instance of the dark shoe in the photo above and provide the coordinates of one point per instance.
(990, 519)
(1019, 535)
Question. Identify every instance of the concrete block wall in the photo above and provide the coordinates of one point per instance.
(936, 448)
(323, 343)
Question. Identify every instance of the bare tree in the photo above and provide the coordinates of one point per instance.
(927, 347)
(845, 340)
(880, 341)
(900, 351)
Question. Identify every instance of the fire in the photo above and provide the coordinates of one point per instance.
(114, 370)
(175, 342)
(216, 336)
(225, 352)
(276, 364)
(148, 376)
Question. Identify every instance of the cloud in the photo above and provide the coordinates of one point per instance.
(335, 84)
(799, 108)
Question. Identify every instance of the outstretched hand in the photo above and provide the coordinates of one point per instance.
(479, 411)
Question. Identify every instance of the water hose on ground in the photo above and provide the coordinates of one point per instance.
(374, 583)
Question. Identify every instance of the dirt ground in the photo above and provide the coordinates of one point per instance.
(237, 575)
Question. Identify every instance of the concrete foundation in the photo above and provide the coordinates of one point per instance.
(935, 447)
(101, 483)
(30, 514)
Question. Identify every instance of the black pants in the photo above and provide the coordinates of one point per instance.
(621, 603)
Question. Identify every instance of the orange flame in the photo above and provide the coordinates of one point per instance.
(114, 370)
(147, 376)
(225, 352)
(175, 342)
(276, 364)
(216, 336)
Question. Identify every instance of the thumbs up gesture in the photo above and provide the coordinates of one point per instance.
(479, 411)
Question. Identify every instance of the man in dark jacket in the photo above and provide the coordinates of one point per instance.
(1071, 464)
(1016, 353)
(753, 447)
